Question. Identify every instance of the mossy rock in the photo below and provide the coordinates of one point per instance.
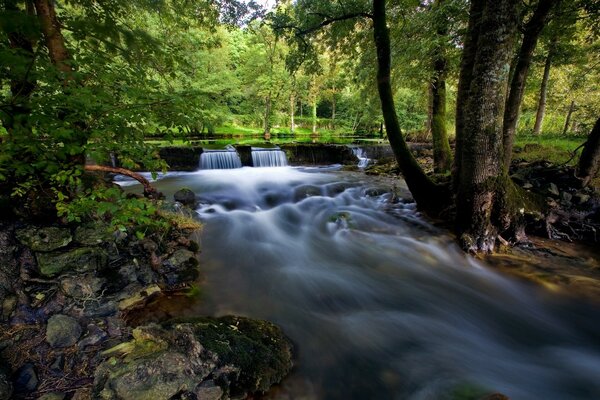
(81, 260)
(258, 348)
(44, 239)
(238, 354)
(93, 234)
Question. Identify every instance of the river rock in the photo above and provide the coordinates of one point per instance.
(81, 260)
(186, 197)
(26, 379)
(53, 396)
(62, 331)
(243, 355)
(44, 239)
(80, 287)
(137, 296)
(92, 235)
(181, 267)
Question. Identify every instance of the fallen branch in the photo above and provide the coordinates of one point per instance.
(149, 190)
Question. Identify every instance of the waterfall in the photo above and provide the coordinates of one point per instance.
(268, 157)
(220, 159)
(361, 154)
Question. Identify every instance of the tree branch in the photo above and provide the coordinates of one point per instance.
(149, 190)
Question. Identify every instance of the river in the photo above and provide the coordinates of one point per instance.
(379, 303)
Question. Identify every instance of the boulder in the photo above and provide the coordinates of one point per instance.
(26, 379)
(208, 358)
(83, 259)
(81, 287)
(93, 235)
(186, 197)
(44, 239)
(180, 268)
(62, 331)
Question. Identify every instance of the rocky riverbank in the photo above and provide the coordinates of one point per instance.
(65, 295)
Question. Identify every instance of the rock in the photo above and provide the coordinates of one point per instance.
(53, 396)
(553, 189)
(566, 197)
(6, 388)
(209, 391)
(181, 267)
(243, 355)
(494, 396)
(304, 191)
(139, 297)
(81, 260)
(186, 197)
(582, 198)
(82, 394)
(93, 235)
(81, 287)
(62, 331)
(8, 306)
(44, 239)
(26, 380)
(94, 336)
(527, 185)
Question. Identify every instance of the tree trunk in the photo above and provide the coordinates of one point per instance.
(54, 39)
(442, 157)
(267, 124)
(483, 181)
(464, 83)
(589, 162)
(541, 110)
(568, 119)
(292, 111)
(428, 196)
(333, 109)
(429, 110)
(314, 116)
(519, 76)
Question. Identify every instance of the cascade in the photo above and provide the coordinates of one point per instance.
(361, 154)
(220, 159)
(268, 157)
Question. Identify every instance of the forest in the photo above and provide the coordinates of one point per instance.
(350, 199)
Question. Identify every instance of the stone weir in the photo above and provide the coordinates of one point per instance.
(187, 158)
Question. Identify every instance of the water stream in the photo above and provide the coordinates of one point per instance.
(380, 304)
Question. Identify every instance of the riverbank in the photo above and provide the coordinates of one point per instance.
(67, 293)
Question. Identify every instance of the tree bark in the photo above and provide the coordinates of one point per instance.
(149, 190)
(568, 119)
(442, 156)
(483, 181)
(589, 162)
(267, 124)
(541, 110)
(54, 39)
(519, 76)
(314, 116)
(333, 108)
(464, 83)
(292, 111)
(429, 197)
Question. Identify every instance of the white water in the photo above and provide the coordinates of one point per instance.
(361, 154)
(220, 159)
(268, 157)
(380, 304)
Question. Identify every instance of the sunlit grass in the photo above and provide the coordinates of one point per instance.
(557, 149)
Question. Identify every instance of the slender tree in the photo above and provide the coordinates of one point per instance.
(589, 162)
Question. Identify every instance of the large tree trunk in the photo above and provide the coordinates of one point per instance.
(589, 162)
(464, 83)
(483, 180)
(428, 196)
(568, 119)
(519, 76)
(54, 38)
(442, 156)
(541, 110)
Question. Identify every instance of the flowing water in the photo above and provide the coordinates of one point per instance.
(220, 159)
(380, 304)
(268, 157)
(361, 154)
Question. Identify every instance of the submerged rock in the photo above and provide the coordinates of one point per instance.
(44, 239)
(204, 358)
(81, 260)
(62, 331)
(186, 197)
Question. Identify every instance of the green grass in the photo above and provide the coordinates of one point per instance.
(557, 149)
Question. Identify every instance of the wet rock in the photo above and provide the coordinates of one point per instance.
(6, 388)
(239, 355)
(566, 197)
(93, 235)
(304, 191)
(138, 297)
(44, 239)
(81, 287)
(186, 197)
(582, 198)
(494, 396)
(82, 394)
(58, 364)
(81, 260)
(26, 379)
(181, 267)
(62, 331)
(8, 306)
(376, 191)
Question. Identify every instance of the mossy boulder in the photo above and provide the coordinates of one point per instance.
(232, 356)
(83, 259)
(44, 239)
(93, 234)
